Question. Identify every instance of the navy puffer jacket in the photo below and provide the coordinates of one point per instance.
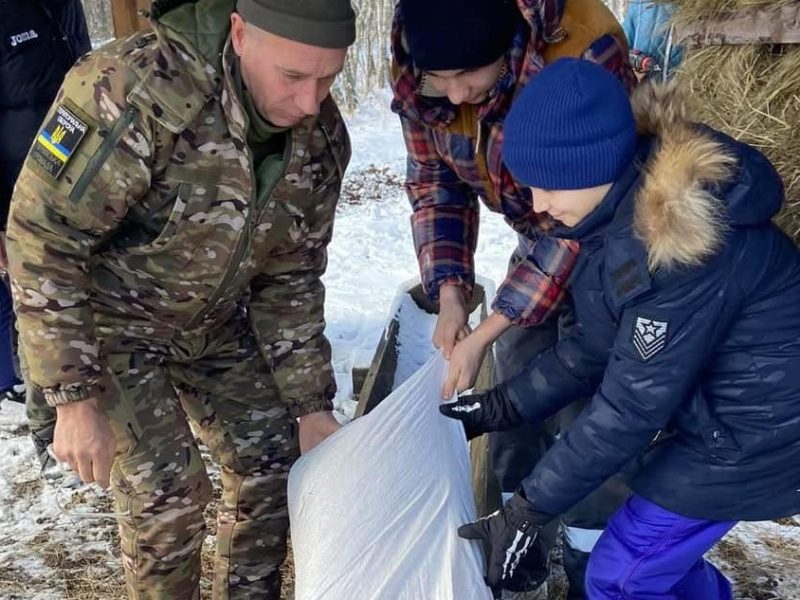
(688, 319)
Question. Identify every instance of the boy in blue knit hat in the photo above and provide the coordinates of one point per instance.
(688, 334)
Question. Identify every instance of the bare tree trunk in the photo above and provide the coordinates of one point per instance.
(368, 60)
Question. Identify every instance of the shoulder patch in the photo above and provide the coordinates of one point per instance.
(649, 337)
(58, 140)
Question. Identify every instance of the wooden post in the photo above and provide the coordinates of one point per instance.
(127, 16)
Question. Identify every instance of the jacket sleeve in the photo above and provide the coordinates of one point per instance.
(570, 370)
(58, 220)
(630, 22)
(444, 221)
(288, 300)
(663, 343)
(287, 314)
(535, 286)
(612, 53)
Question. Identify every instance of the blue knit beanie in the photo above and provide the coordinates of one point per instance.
(458, 34)
(571, 128)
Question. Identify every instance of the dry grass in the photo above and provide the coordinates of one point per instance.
(370, 185)
(287, 570)
(27, 489)
(751, 580)
(761, 561)
(82, 574)
(753, 94)
(92, 574)
(15, 583)
(83, 568)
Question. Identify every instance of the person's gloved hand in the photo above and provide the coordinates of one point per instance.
(507, 535)
(479, 413)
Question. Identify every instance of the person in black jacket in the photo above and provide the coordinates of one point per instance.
(687, 302)
(41, 40)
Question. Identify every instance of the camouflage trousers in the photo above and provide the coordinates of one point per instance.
(215, 388)
(40, 415)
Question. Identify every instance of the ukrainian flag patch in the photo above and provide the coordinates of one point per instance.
(58, 140)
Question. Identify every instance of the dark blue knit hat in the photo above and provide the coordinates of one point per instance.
(571, 128)
(458, 34)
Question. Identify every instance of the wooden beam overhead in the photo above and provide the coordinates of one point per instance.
(755, 25)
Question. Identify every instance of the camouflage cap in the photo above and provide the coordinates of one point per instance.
(323, 23)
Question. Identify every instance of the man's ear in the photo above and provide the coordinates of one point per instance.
(238, 33)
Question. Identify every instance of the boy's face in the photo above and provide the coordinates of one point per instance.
(469, 86)
(569, 206)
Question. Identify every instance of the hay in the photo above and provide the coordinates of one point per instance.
(753, 94)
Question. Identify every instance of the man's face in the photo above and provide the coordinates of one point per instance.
(287, 80)
(569, 206)
(469, 86)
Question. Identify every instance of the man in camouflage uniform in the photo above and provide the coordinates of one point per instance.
(166, 241)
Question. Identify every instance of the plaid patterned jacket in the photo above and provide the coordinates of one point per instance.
(454, 158)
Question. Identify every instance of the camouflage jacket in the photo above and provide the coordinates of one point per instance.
(135, 215)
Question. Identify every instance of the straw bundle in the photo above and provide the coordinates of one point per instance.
(751, 92)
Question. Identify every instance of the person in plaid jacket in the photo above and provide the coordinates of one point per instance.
(458, 67)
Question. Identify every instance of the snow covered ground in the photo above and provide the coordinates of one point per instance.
(50, 549)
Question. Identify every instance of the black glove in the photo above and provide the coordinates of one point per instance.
(479, 413)
(507, 535)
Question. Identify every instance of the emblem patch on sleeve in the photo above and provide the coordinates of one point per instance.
(649, 337)
(58, 140)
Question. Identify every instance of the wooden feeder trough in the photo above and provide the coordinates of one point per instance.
(374, 384)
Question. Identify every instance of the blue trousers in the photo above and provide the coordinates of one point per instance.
(650, 553)
(8, 376)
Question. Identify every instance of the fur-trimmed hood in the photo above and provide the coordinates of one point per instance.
(696, 183)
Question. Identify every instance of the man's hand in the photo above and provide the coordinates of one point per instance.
(480, 413)
(451, 326)
(507, 535)
(315, 427)
(83, 439)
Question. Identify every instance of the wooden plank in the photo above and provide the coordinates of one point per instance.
(128, 16)
(359, 375)
(757, 25)
(484, 484)
(380, 378)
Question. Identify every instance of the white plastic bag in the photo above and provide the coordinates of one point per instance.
(375, 508)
